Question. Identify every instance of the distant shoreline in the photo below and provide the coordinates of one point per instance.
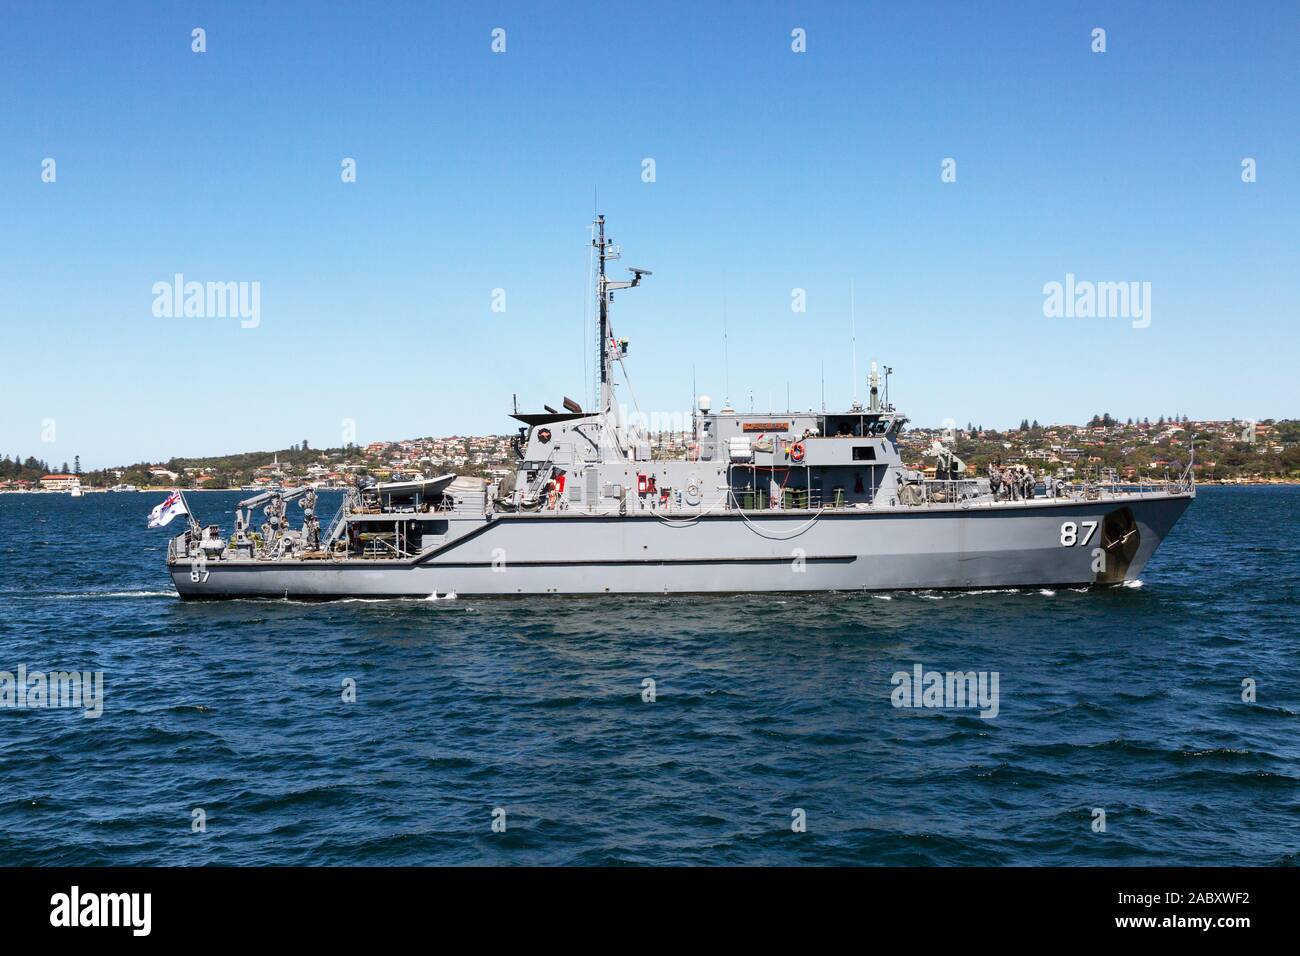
(168, 489)
(163, 490)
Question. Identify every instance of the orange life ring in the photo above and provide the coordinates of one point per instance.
(796, 451)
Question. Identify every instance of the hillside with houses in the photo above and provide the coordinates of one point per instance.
(1230, 450)
(1226, 451)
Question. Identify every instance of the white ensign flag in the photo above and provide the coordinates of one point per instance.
(173, 506)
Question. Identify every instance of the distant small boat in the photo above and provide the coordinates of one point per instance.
(124, 488)
(76, 491)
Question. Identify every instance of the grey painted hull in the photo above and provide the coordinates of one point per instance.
(983, 546)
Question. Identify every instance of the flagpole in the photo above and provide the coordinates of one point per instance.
(189, 513)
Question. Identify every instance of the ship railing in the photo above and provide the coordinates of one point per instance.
(381, 548)
(534, 490)
(1119, 488)
(178, 547)
(940, 491)
(759, 499)
(338, 521)
(756, 494)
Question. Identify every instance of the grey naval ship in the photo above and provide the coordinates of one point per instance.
(798, 501)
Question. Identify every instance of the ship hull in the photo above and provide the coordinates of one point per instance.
(993, 545)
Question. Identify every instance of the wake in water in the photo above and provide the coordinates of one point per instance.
(80, 595)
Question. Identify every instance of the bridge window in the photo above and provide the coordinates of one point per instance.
(864, 453)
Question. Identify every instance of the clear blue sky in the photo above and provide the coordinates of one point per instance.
(775, 170)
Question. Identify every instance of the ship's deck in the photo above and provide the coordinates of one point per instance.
(466, 524)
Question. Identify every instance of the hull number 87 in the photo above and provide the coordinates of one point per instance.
(1070, 533)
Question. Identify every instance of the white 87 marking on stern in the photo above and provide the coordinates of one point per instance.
(1070, 533)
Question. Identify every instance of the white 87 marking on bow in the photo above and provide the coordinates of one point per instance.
(1070, 533)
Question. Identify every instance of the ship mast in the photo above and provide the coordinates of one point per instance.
(607, 349)
(604, 360)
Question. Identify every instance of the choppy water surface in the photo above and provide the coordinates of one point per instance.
(1127, 700)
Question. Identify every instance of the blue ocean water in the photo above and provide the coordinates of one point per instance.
(1127, 700)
